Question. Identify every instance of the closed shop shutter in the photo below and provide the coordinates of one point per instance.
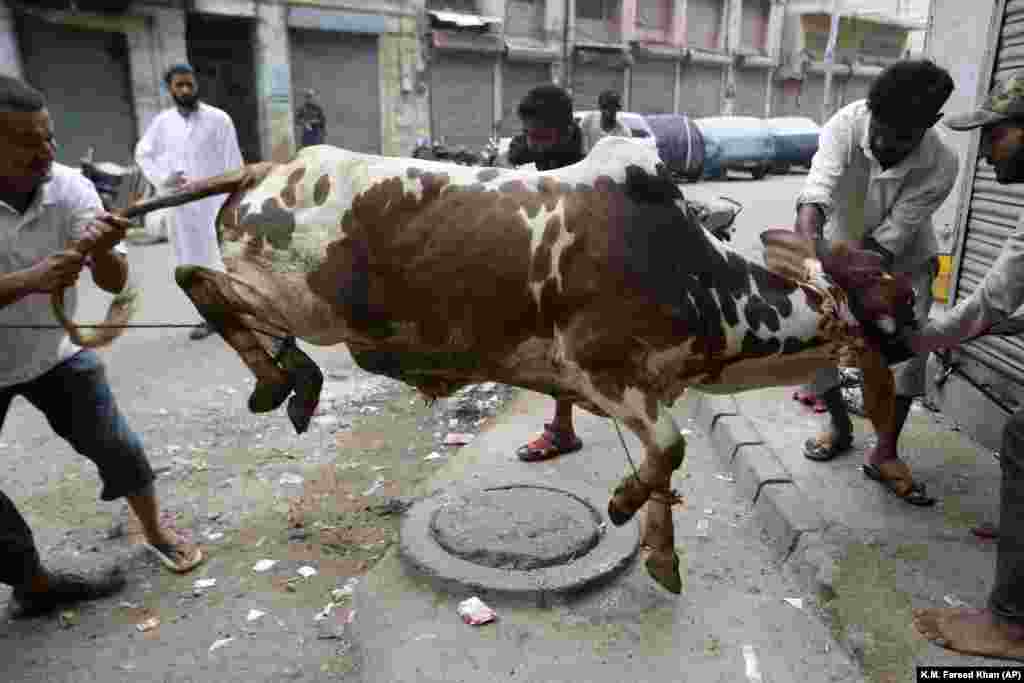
(517, 79)
(342, 68)
(812, 96)
(855, 88)
(992, 213)
(787, 97)
(462, 98)
(750, 91)
(590, 80)
(700, 90)
(651, 84)
(84, 76)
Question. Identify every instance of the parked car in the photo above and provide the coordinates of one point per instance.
(636, 123)
(738, 143)
(796, 141)
(680, 144)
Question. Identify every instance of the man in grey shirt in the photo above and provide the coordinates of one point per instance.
(997, 630)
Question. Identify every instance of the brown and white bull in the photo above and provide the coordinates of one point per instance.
(591, 283)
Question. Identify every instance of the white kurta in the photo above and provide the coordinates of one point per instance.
(201, 145)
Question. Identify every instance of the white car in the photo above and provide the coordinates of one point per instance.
(636, 123)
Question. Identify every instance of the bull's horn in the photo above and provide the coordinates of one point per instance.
(124, 304)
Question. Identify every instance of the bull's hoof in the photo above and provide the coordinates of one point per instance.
(663, 566)
(268, 396)
(617, 516)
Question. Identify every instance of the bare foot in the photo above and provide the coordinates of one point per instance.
(971, 631)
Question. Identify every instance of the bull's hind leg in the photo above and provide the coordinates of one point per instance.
(666, 448)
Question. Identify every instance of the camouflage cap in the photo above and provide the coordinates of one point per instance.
(1005, 101)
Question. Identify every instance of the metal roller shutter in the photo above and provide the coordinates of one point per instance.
(462, 98)
(700, 90)
(590, 80)
(337, 66)
(84, 76)
(750, 92)
(992, 213)
(651, 84)
(517, 79)
(812, 96)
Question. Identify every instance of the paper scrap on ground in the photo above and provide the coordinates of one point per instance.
(726, 477)
(795, 602)
(954, 601)
(254, 614)
(218, 644)
(702, 527)
(474, 612)
(433, 456)
(264, 565)
(289, 478)
(306, 572)
(205, 583)
(214, 535)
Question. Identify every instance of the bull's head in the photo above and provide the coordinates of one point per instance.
(882, 303)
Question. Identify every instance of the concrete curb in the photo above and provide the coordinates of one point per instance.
(783, 510)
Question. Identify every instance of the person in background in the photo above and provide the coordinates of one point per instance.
(188, 142)
(310, 118)
(604, 122)
(550, 139)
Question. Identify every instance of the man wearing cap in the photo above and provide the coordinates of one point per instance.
(998, 629)
(880, 172)
(605, 122)
(310, 118)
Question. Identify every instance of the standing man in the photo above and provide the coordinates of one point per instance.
(310, 118)
(189, 142)
(998, 629)
(605, 122)
(44, 208)
(880, 173)
(550, 139)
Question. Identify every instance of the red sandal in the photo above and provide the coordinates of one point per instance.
(550, 444)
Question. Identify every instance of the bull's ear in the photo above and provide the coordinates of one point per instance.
(787, 254)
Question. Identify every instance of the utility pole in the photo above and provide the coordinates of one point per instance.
(830, 62)
(566, 67)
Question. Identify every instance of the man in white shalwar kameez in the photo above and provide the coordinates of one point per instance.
(189, 142)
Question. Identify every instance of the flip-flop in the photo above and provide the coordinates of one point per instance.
(823, 451)
(550, 444)
(189, 556)
(896, 477)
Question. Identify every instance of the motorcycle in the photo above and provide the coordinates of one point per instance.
(716, 218)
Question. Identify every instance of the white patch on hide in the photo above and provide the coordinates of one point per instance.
(537, 226)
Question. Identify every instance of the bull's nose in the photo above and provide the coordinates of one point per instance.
(184, 275)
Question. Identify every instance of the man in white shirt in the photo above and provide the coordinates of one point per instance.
(880, 172)
(605, 122)
(45, 207)
(189, 142)
(998, 629)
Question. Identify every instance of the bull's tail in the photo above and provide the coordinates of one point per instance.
(124, 304)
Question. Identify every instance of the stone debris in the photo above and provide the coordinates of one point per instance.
(218, 644)
(264, 565)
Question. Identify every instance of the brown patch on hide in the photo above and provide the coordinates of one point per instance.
(288, 193)
(455, 264)
(651, 404)
(321, 190)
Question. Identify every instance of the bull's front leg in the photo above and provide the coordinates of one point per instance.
(652, 484)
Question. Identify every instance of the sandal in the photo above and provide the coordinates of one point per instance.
(986, 530)
(896, 477)
(812, 401)
(180, 558)
(550, 444)
(823, 450)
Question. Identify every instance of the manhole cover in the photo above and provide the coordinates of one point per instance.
(517, 527)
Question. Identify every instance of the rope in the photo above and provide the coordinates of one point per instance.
(628, 456)
(133, 325)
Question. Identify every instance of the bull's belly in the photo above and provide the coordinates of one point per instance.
(770, 371)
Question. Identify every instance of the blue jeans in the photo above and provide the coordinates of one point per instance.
(77, 402)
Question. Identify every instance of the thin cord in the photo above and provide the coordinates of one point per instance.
(628, 456)
(129, 325)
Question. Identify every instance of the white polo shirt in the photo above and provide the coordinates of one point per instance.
(61, 209)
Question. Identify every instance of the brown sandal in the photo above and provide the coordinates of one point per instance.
(896, 477)
(550, 444)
